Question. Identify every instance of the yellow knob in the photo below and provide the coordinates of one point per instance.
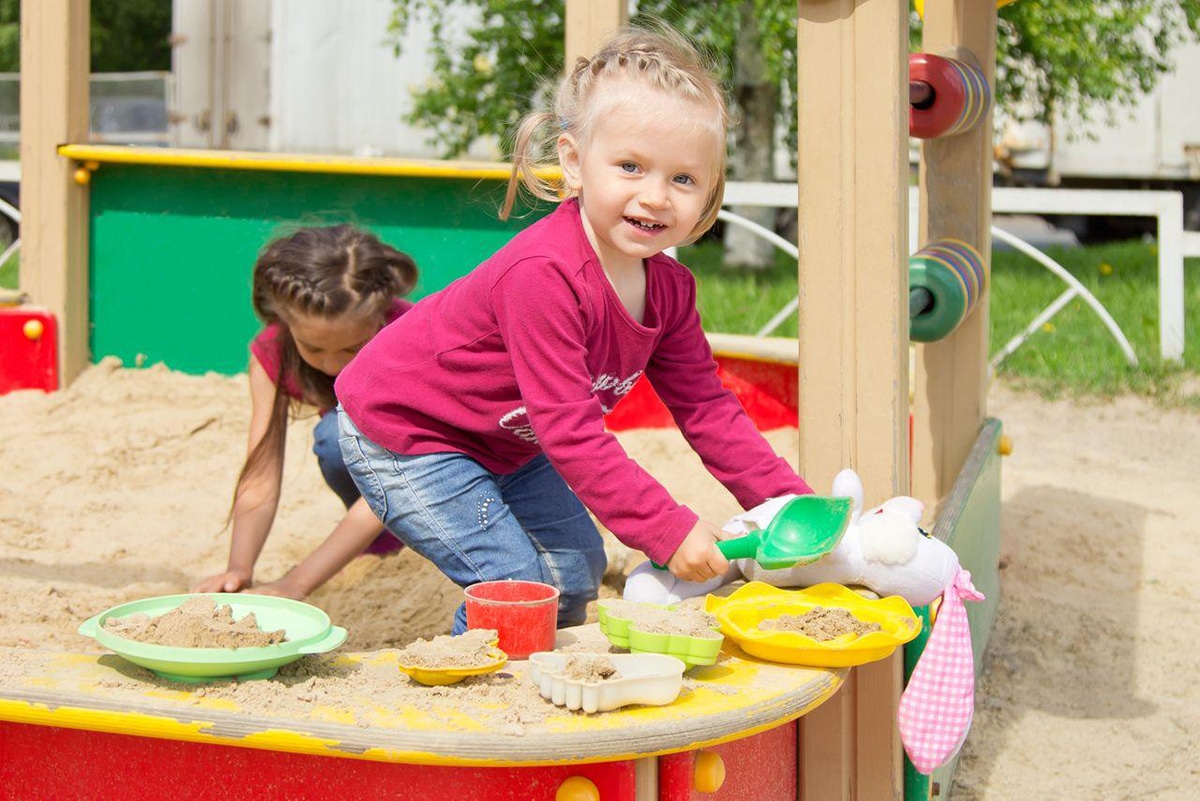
(1005, 446)
(33, 329)
(709, 773)
(82, 176)
(920, 6)
(577, 788)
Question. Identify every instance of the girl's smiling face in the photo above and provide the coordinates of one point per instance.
(644, 174)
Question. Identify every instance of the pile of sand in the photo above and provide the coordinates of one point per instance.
(199, 622)
(117, 489)
(473, 648)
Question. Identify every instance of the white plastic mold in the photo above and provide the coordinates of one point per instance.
(651, 679)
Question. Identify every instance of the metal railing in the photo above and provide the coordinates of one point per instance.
(13, 213)
(1165, 207)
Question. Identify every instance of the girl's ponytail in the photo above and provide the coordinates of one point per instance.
(536, 137)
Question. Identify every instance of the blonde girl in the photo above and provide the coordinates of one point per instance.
(483, 445)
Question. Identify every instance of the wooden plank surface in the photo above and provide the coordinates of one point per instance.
(589, 24)
(951, 375)
(853, 328)
(54, 109)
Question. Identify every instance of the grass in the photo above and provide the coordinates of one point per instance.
(1072, 355)
(8, 272)
(735, 301)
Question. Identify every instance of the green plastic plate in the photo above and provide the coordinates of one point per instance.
(307, 628)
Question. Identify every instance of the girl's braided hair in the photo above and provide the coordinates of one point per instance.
(329, 271)
(659, 58)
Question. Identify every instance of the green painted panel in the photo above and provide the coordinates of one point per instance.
(917, 786)
(970, 524)
(172, 248)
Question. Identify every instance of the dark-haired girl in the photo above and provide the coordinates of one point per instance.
(322, 293)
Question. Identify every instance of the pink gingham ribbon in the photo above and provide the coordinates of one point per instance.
(936, 707)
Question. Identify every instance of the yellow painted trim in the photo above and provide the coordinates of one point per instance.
(141, 725)
(768, 350)
(157, 727)
(312, 163)
(920, 6)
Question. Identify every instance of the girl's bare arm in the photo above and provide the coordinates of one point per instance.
(257, 498)
(349, 538)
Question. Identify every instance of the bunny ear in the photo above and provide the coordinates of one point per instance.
(904, 505)
(847, 484)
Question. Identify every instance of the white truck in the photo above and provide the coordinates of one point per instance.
(299, 76)
(1154, 145)
(317, 77)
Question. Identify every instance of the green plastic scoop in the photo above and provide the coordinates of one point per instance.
(804, 530)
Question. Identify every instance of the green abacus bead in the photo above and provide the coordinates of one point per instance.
(949, 306)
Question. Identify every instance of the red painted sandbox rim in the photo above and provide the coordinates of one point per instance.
(761, 372)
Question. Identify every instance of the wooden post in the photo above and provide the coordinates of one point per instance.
(853, 284)
(951, 375)
(589, 24)
(54, 111)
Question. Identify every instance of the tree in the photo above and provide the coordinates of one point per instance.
(1062, 57)
(1054, 58)
(130, 35)
(488, 71)
(126, 35)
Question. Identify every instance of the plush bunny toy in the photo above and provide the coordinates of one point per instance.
(884, 551)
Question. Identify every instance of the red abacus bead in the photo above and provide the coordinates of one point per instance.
(961, 96)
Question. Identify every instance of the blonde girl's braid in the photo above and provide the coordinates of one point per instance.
(658, 57)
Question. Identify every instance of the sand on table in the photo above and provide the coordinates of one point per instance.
(473, 648)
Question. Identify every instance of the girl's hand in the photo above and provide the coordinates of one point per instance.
(697, 557)
(280, 589)
(229, 581)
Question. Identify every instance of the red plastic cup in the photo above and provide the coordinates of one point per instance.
(525, 613)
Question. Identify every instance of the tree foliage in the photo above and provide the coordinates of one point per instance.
(126, 35)
(493, 59)
(1082, 60)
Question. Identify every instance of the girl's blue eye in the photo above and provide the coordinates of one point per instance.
(684, 179)
(628, 166)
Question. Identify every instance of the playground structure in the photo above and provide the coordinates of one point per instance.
(91, 258)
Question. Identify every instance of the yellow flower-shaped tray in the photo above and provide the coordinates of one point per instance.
(741, 613)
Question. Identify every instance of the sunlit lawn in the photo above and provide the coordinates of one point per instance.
(1072, 354)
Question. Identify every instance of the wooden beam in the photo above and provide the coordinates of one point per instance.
(54, 110)
(951, 375)
(853, 284)
(589, 24)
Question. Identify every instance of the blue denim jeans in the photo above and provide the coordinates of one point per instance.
(329, 459)
(476, 525)
(333, 468)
